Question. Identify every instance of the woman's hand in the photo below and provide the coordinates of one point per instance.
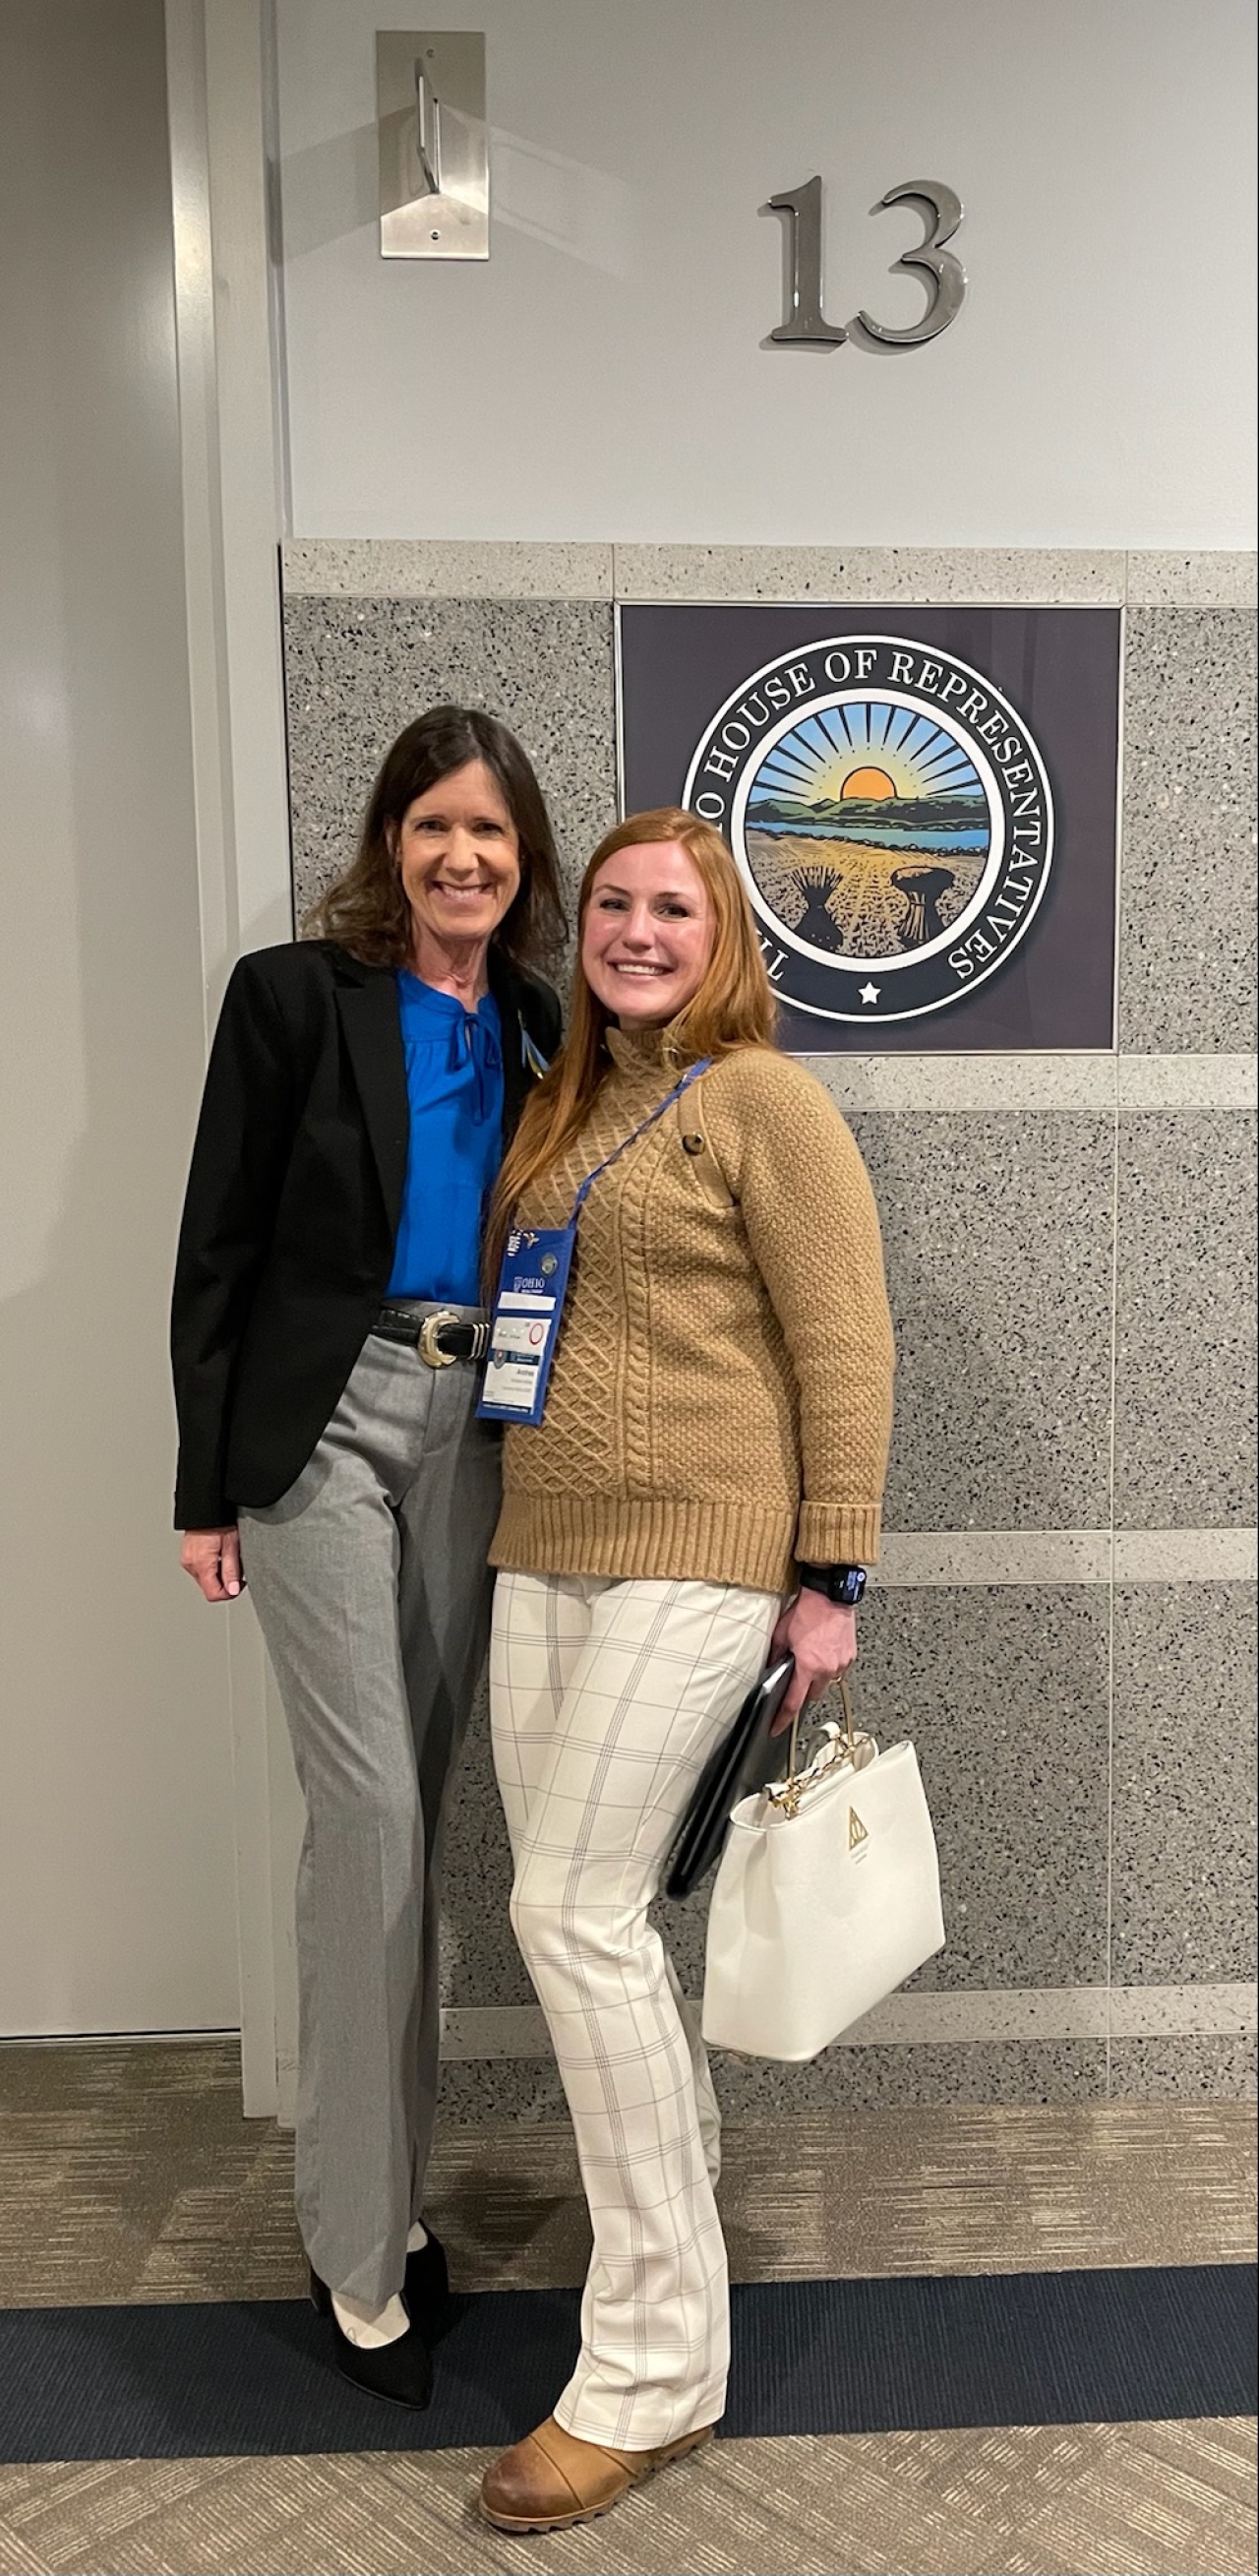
(212, 1558)
(823, 1638)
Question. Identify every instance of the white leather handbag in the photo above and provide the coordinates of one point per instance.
(827, 1898)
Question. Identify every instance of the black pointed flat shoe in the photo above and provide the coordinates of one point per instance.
(402, 2371)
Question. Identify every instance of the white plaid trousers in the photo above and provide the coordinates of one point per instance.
(606, 1699)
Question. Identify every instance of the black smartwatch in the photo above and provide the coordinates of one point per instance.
(841, 1584)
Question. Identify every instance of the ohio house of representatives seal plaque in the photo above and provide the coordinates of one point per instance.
(904, 803)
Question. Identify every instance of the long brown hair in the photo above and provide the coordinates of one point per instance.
(734, 1007)
(367, 911)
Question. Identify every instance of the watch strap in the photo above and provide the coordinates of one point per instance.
(840, 1584)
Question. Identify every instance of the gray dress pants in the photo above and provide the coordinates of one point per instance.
(369, 1578)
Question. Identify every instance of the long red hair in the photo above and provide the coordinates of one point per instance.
(734, 1007)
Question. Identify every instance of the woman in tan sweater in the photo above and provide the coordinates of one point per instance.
(713, 1444)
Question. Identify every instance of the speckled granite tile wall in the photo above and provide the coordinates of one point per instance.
(1185, 1381)
(1003, 1362)
(1183, 1840)
(1187, 883)
(1183, 2070)
(1072, 1272)
(358, 670)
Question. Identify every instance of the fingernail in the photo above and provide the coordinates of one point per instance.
(233, 1589)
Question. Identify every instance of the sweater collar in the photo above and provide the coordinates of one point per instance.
(639, 1050)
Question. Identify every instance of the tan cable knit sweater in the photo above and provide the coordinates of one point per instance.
(721, 1395)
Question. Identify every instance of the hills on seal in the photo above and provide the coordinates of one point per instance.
(854, 814)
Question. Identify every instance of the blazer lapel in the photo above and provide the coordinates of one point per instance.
(372, 1024)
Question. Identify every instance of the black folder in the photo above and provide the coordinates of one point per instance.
(744, 1760)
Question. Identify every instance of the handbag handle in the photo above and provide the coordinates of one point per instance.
(788, 1796)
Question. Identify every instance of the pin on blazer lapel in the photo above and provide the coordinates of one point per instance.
(523, 1064)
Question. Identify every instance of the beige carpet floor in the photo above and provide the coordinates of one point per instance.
(128, 2173)
(1086, 2500)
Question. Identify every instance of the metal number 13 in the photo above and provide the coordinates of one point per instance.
(805, 323)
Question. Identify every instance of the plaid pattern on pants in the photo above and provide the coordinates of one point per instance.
(607, 1698)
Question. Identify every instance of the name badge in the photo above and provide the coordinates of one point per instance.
(525, 1324)
(532, 1286)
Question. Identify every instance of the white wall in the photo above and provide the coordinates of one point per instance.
(602, 376)
(116, 1867)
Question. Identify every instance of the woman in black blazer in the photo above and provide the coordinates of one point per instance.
(361, 1090)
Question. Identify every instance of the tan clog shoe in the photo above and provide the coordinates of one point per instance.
(551, 2479)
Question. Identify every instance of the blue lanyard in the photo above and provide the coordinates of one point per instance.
(532, 1287)
(691, 1075)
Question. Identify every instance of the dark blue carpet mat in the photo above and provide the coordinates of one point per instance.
(810, 2357)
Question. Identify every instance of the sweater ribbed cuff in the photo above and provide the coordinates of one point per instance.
(838, 1533)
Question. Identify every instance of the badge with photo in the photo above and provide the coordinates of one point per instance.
(922, 804)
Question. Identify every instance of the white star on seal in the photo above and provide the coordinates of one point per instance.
(869, 992)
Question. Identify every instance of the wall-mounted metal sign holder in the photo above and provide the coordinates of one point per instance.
(434, 145)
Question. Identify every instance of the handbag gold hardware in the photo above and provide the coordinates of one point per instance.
(845, 1746)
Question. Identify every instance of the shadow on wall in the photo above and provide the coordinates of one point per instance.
(331, 190)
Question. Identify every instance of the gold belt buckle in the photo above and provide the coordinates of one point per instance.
(426, 1338)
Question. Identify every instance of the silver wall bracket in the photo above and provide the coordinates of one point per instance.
(434, 145)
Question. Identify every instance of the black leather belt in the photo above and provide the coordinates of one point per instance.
(441, 1336)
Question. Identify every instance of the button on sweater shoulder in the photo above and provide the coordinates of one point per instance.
(720, 1400)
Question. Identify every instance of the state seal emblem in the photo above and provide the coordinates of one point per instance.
(892, 817)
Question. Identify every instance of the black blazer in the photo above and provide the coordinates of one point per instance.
(292, 1208)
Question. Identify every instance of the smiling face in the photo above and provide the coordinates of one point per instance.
(458, 853)
(648, 933)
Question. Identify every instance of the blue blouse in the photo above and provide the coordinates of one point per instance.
(454, 1062)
